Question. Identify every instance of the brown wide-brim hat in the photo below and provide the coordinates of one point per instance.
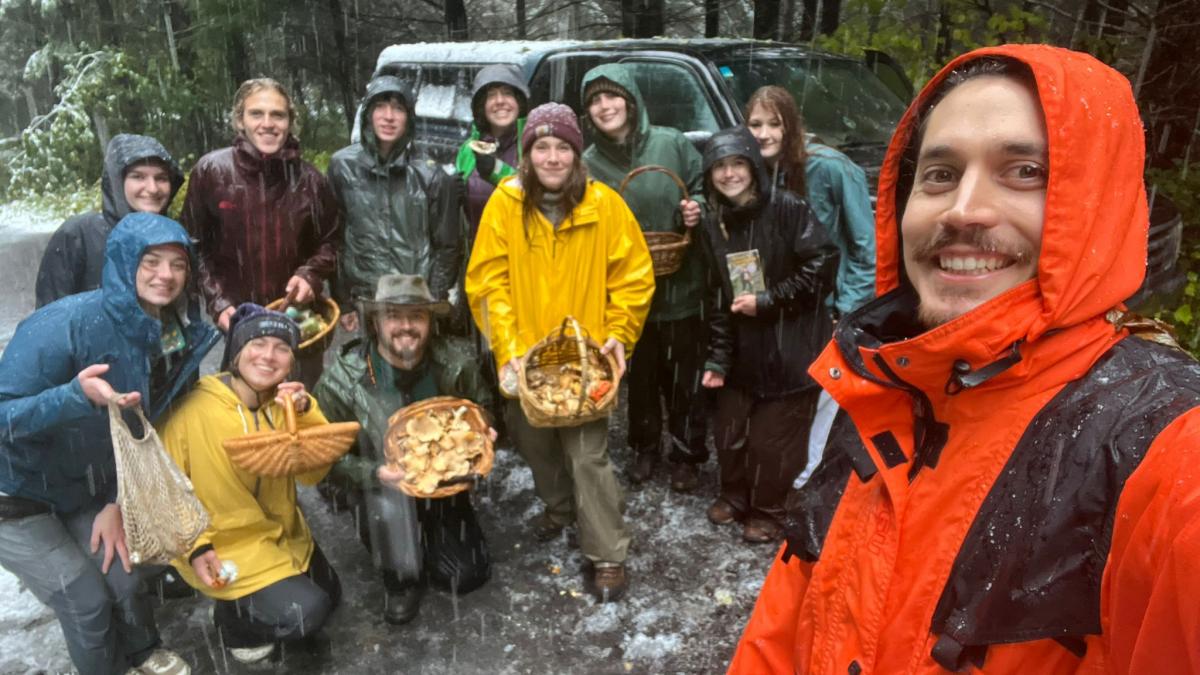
(404, 290)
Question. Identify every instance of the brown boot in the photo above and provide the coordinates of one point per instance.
(761, 531)
(643, 467)
(545, 528)
(722, 512)
(684, 477)
(609, 582)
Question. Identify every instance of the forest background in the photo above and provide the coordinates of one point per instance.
(75, 72)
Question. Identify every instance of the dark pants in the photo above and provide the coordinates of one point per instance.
(289, 609)
(454, 553)
(667, 366)
(310, 363)
(762, 445)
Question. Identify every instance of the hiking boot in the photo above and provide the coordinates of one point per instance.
(545, 528)
(684, 477)
(760, 531)
(401, 606)
(250, 655)
(643, 467)
(609, 582)
(721, 512)
(163, 662)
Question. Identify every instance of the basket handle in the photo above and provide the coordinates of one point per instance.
(289, 414)
(581, 343)
(683, 189)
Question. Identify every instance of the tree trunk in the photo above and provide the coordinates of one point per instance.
(712, 18)
(941, 53)
(236, 57)
(107, 22)
(345, 76)
(456, 20)
(766, 19)
(787, 31)
(821, 17)
(520, 19)
(181, 21)
(642, 18)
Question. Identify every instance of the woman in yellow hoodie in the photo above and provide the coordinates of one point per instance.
(551, 244)
(255, 521)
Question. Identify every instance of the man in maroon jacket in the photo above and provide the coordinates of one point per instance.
(266, 221)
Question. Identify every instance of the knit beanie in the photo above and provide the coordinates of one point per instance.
(251, 321)
(552, 119)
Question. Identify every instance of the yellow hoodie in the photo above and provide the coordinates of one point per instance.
(595, 267)
(256, 521)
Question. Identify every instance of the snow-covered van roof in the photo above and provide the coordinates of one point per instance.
(492, 51)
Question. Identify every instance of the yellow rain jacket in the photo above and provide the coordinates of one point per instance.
(255, 521)
(595, 267)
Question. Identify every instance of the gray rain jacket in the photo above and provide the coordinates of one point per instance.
(400, 215)
(74, 258)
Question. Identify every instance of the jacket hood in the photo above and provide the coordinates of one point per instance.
(385, 85)
(129, 239)
(123, 151)
(498, 73)
(737, 142)
(622, 76)
(1095, 194)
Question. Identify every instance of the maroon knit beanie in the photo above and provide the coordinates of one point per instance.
(552, 119)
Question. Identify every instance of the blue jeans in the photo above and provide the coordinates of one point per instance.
(107, 619)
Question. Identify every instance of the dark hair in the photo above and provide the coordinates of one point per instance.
(792, 155)
(995, 66)
(572, 190)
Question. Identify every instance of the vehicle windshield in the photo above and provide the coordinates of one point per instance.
(844, 104)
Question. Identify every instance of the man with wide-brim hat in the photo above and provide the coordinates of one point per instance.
(398, 361)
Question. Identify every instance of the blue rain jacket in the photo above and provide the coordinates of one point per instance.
(55, 445)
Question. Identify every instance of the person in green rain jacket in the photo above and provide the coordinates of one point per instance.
(670, 354)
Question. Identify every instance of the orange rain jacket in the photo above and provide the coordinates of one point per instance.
(1017, 490)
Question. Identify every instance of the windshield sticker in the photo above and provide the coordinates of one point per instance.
(726, 71)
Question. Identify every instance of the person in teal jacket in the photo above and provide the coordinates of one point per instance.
(836, 189)
(670, 353)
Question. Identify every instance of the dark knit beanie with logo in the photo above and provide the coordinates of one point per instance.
(552, 119)
(254, 321)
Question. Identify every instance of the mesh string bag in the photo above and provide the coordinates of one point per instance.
(161, 513)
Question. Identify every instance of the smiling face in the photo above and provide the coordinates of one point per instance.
(265, 121)
(501, 108)
(610, 115)
(552, 159)
(402, 333)
(767, 127)
(147, 187)
(972, 228)
(161, 276)
(264, 362)
(733, 178)
(389, 120)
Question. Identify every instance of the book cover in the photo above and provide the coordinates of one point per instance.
(745, 272)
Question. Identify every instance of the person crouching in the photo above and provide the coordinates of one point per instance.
(284, 588)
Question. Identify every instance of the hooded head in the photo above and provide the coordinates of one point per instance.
(615, 78)
(123, 152)
(736, 142)
(970, 198)
(380, 88)
(497, 74)
(127, 244)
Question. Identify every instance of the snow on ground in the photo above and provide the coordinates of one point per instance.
(692, 587)
(24, 231)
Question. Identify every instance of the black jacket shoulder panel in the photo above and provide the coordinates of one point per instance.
(809, 510)
(1032, 562)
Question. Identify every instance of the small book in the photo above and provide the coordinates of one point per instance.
(745, 272)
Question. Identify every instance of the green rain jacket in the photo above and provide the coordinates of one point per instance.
(400, 215)
(653, 197)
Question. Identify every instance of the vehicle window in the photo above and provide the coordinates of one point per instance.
(843, 102)
(674, 96)
(445, 92)
(560, 79)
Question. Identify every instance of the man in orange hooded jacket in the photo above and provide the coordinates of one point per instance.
(1014, 483)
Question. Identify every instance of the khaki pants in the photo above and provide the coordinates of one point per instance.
(574, 478)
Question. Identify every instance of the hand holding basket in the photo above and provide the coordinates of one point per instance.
(566, 380)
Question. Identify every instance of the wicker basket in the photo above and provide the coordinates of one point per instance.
(291, 451)
(666, 248)
(563, 347)
(329, 311)
(394, 448)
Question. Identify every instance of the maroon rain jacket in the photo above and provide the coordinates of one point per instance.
(258, 221)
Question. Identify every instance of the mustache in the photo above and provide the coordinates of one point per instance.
(977, 237)
(407, 333)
